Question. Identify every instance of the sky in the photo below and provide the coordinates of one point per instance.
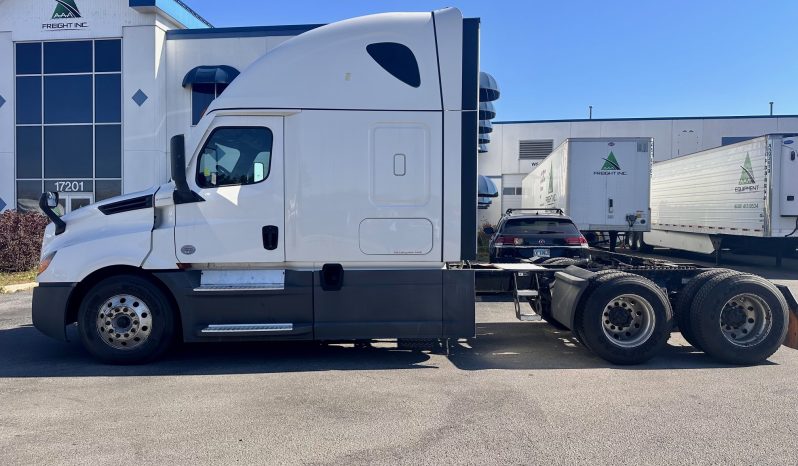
(628, 59)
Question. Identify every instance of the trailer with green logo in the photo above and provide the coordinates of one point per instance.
(603, 184)
(739, 197)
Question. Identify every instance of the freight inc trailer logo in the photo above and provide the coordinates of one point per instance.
(551, 196)
(747, 181)
(65, 10)
(610, 167)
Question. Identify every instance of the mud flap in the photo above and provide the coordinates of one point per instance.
(792, 330)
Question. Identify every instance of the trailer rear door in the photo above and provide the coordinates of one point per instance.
(626, 169)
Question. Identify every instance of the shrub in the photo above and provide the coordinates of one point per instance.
(20, 240)
(482, 238)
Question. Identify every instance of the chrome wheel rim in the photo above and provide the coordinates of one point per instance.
(628, 320)
(745, 320)
(124, 322)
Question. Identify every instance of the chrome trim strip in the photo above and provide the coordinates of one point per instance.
(247, 328)
(241, 287)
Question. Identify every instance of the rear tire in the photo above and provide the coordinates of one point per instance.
(564, 261)
(599, 278)
(625, 318)
(684, 301)
(126, 320)
(740, 319)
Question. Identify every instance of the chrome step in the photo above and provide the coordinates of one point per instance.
(526, 293)
(529, 317)
(247, 328)
(241, 287)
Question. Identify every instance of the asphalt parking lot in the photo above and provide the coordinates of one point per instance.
(518, 393)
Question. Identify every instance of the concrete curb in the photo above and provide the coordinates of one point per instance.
(15, 288)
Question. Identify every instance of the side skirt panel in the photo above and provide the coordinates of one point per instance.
(369, 304)
(260, 309)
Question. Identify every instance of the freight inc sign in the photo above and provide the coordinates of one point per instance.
(747, 181)
(610, 166)
(66, 17)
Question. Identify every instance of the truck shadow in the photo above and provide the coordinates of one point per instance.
(522, 346)
(24, 352)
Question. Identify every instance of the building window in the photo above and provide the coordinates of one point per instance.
(202, 94)
(68, 120)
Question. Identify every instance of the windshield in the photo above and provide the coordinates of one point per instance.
(538, 226)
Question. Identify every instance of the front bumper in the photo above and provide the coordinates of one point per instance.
(49, 311)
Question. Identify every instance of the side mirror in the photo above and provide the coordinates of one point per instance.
(177, 147)
(52, 199)
(47, 202)
(182, 194)
(489, 231)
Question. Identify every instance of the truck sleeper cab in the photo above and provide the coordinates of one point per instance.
(321, 202)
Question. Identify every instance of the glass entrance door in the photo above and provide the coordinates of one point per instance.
(69, 202)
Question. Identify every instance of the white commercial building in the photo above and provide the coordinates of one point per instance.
(91, 91)
(516, 147)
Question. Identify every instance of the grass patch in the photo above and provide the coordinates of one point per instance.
(15, 278)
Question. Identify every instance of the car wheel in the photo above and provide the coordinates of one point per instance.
(126, 320)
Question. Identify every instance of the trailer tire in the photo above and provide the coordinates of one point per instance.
(625, 319)
(126, 320)
(684, 301)
(740, 319)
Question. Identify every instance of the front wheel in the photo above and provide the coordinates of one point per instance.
(625, 319)
(126, 320)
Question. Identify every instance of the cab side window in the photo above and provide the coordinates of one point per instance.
(235, 156)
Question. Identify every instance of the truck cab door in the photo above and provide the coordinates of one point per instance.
(238, 172)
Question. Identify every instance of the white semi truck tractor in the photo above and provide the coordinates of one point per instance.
(330, 194)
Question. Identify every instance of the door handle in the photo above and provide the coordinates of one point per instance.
(271, 235)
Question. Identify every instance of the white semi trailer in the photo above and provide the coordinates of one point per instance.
(603, 184)
(742, 196)
(330, 194)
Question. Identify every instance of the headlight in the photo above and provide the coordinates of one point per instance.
(45, 262)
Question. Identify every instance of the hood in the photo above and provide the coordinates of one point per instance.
(111, 216)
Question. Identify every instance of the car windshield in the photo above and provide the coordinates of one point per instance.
(538, 226)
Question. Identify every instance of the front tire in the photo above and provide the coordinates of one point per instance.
(126, 320)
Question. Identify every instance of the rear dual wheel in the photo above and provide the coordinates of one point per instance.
(739, 318)
(685, 300)
(625, 318)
